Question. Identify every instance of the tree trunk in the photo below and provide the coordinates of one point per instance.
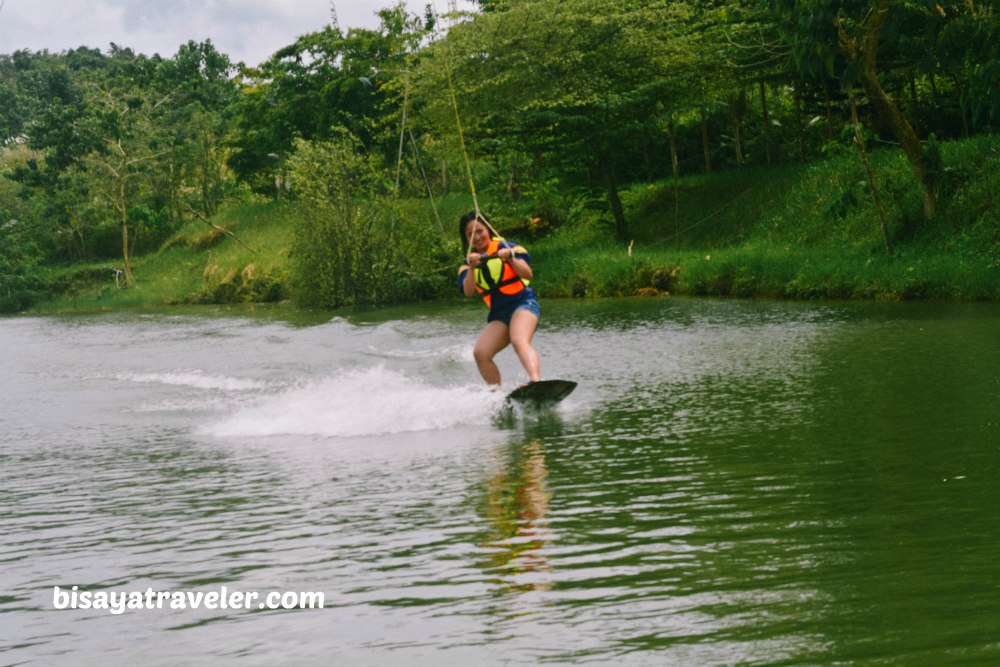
(673, 149)
(736, 131)
(914, 100)
(859, 142)
(767, 123)
(800, 137)
(676, 170)
(123, 210)
(611, 183)
(704, 142)
(830, 134)
(889, 113)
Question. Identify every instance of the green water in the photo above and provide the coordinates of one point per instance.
(733, 483)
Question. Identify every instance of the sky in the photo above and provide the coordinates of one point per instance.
(245, 30)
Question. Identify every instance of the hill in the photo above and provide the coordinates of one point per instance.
(800, 232)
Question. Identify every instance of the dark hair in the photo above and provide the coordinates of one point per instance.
(466, 219)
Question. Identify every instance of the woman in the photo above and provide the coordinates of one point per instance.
(500, 270)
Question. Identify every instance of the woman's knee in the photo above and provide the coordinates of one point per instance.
(522, 332)
(483, 353)
(493, 339)
(521, 343)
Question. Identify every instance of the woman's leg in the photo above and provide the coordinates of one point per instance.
(495, 337)
(522, 330)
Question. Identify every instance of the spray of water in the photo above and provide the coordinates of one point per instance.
(366, 402)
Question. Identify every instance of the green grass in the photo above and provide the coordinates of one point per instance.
(197, 265)
(761, 270)
(799, 232)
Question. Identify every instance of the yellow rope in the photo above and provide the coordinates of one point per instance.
(461, 138)
(461, 135)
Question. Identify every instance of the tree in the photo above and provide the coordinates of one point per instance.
(966, 39)
(321, 82)
(345, 251)
(124, 147)
(20, 284)
(573, 80)
(845, 40)
(99, 147)
(29, 82)
(199, 82)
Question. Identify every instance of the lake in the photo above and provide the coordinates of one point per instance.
(732, 483)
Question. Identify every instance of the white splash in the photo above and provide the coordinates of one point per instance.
(195, 379)
(372, 401)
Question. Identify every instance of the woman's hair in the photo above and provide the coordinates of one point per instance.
(463, 223)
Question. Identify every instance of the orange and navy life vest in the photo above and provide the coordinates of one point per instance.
(496, 275)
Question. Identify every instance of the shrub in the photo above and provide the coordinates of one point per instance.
(352, 244)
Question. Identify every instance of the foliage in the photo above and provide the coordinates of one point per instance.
(848, 40)
(776, 239)
(325, 80)
(573, 114)
(121, 144)
(20, 281)
(571, 82)
(350, 248)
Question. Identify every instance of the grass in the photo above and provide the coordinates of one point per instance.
(802, 232)
(197, 265)
(762, 270)
(798, 232)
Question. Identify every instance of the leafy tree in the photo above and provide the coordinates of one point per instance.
(127, 136)
(124, 146)
(199, 82)
(966, 39)
(29, 82)
(570, 80)
(20, 284)
(98, 148)
(346, 250)
(321, 82)
(848, 39)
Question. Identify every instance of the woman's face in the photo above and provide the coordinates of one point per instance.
(477, 235)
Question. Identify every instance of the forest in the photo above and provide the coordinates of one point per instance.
(797, 142)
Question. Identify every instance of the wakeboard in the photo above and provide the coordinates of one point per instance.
(543, 391)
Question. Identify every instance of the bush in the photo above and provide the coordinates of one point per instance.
(20, 281)
(353, 246)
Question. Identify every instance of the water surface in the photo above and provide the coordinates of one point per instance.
(733, 482)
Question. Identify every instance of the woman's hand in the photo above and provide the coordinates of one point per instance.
(474, 259)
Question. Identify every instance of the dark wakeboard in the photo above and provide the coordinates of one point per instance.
(544, 391)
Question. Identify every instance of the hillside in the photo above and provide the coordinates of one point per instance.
(799, 232)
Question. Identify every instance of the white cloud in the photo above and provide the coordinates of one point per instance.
(247, 30)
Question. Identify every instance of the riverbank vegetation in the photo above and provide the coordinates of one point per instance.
(787, 150)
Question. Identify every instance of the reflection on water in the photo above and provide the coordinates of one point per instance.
(517, 508)
(731, 483)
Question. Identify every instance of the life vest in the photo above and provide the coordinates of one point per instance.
(498, 275)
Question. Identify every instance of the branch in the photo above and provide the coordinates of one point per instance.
(221, 229)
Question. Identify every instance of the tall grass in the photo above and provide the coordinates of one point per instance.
(197, 265)
(804, 232)
(800, 232)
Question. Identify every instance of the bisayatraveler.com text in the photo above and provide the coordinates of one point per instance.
(118, 602)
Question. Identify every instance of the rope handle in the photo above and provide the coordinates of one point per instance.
(495, 255)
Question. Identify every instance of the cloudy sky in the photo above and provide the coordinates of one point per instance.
(247, 30)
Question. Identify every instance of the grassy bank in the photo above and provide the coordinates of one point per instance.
(803, 232)
(760, 270)
(199, 264)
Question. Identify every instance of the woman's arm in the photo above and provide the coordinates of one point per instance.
(469, 284)
(521, 267)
